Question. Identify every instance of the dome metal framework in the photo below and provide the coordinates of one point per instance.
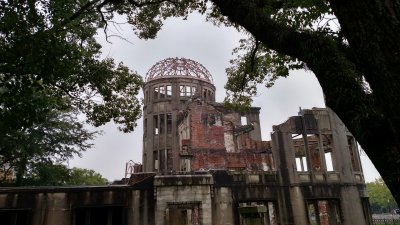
(178, 67)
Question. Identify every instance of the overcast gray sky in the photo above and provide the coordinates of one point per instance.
(211, 46)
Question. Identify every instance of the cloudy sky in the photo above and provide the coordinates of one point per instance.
(211, 46)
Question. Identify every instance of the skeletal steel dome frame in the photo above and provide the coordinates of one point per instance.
(178, 67)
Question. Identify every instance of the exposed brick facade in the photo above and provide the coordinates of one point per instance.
(219, 141)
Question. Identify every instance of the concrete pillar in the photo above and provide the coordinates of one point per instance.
(298, 206)
(222, 206)
(57, 211)
(352, 210)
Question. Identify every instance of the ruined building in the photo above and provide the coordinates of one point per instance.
(205, 164)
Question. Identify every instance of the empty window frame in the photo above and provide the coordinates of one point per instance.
(182, 91)
(315, 155)
(265, 212)
(155, 124)
(328, 161)
(162, 92)
(155, 160)
(324, 212)
(355, 163)
(193, 90)
(169, 160)
(185, 164)
(156, 91)
(188, 90)
(162, 123)
(327, 146)
(243, 120)
(300, 153)
(169, 123)
(301, 164)
(162, 160)
(169, 91)
(183, 213)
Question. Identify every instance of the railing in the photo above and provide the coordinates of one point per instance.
(386, 221)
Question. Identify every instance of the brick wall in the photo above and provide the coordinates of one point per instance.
(208, 142)
(221, 159)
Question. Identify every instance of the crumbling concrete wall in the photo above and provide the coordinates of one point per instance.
(219, 141)
(161, 116)
(76, 205)
(296, 186)
(302, 145)
(183, 197)
(221, 159)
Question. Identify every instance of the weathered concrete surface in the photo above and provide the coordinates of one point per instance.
(186, 192)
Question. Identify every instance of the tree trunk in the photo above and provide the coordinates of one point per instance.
(373, 31)
(373, 118)
(20, 171)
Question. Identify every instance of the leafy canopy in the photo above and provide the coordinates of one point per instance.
(34, 149)
(51, 71)
(59, 175)
(51, 60)
(380, 198)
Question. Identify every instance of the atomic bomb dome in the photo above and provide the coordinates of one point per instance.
(178, 67)
(206, 164)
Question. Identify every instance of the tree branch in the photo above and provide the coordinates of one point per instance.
(84, 8)
(319, 52)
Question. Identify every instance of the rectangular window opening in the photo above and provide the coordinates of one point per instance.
(162, 91)
(169, 161)
(169, 123)
(353, 154)
(155, 157)
(188, 91)
(243, 120)
(328, 161)
(322, 212)
(169, 90)
(182, 91)
(193, 90)
(327, 145)
(312, 215)
(301, 164)
(155, 124)
(162, 160)
(315, 157)
(156, 90)
(300, 152)
(162, 123)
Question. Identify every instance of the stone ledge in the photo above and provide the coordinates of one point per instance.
(179, 180)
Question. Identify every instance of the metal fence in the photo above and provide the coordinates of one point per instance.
(386, 221)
